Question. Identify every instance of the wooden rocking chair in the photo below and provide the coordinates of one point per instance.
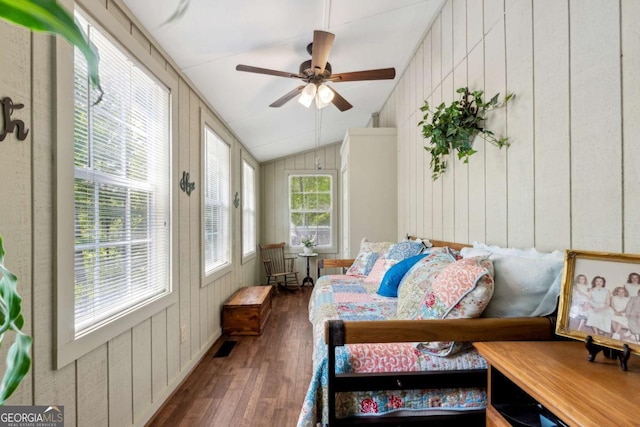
(278, 267)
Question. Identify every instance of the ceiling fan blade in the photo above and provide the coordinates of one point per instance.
(322, 42)
(280, 102)
(339, 101)
(379, 74)
(258, 70)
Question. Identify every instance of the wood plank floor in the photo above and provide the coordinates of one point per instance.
(262, 382)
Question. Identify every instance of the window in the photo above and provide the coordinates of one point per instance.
(248, 209)
(122, 217)
(311, 210)
(217, 221)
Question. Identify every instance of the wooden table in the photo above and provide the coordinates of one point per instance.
(557, 375)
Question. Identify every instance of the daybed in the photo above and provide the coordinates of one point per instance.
(408, 359)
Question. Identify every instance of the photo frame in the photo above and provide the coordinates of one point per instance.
(600, 297)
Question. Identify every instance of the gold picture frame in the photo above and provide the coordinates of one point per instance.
(611, 316)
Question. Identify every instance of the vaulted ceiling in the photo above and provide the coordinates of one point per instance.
(213, 36)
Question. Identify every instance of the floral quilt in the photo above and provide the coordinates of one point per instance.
(349, 298)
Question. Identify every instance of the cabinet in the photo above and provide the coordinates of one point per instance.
(557, 375)
(368, 187)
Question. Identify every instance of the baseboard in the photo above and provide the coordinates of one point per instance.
(170, 390)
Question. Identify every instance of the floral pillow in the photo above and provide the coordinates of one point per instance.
(461, 291)
(368, 255)
(417, 282)
(379, 269)
(363, 264)
(405, 249)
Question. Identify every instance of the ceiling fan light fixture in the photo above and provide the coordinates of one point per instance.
(324, 96)
(307, 95)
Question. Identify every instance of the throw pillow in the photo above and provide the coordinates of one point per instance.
(461, 291)
(391, 280)
(363, 264)
(365, 260)
(417, 282)
(379, 269)
(525, 286)
(405, 249)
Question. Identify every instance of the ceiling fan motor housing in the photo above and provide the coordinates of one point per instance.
(306, 70)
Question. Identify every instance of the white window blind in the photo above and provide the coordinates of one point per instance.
(248, 209)
(217, 224)
(311, 209)
(121, 187)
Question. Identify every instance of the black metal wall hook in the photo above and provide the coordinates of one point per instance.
(185, 185)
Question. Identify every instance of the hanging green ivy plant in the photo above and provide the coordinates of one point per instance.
(454, 127)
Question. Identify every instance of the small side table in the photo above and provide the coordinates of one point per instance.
(308, 279)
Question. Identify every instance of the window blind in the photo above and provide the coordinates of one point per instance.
(121, 187)
(217, 224)
(248, 209)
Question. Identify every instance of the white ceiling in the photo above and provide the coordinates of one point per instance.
(213, 36)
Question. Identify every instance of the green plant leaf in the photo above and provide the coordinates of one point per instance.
(18, 364)
(49, 16)
(18, 358)
(454, 127)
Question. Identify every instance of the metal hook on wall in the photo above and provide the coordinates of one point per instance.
(236, 200)
(185, 185)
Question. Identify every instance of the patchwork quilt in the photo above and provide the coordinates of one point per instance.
(349, 298)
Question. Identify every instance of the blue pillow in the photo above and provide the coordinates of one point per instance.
(391, 280)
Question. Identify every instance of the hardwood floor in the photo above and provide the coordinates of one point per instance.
(262, 382)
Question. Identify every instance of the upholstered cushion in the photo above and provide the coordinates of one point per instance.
(462, 290)
(417, 282)
(367, 256)
(405, 249)
(379, 269)
(391, 280)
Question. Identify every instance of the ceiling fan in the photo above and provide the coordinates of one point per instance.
(316, 71)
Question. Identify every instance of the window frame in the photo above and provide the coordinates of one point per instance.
(251, 255)
(334, 208)
(208, 121)
(68, 347)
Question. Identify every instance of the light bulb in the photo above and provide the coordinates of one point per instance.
(324, 96)
(307, 95)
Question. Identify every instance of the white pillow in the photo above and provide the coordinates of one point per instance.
(524, 285)
(482, 248)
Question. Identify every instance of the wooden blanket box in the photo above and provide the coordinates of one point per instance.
(246, 312)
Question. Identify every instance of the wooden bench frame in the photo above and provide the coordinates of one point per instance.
(340, 333)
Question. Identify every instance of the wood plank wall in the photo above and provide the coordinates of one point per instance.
(123, 381)
(273, 196)
(571, 177)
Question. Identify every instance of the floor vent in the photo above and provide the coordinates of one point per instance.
(225, 349)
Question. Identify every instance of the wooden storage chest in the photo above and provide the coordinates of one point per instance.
(247, 311)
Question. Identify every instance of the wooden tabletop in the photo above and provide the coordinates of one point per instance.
(558, 375)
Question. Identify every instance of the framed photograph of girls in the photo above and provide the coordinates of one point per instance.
(600, 297)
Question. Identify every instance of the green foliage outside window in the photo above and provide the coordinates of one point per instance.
(310, 208)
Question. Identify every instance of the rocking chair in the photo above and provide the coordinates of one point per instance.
(278, 267)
